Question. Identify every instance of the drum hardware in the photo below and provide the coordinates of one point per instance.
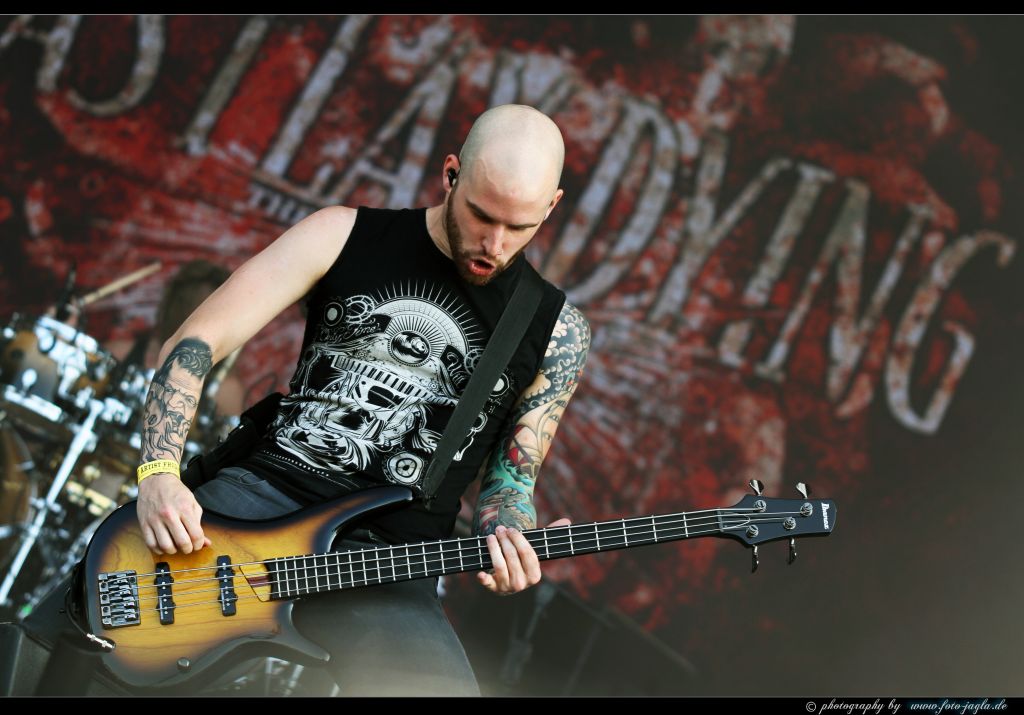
(51, 371)
(67, 294)
(84, 440)
(95, 502)
(59, 387)
(31, 403)
(58, 550)
(17, 485)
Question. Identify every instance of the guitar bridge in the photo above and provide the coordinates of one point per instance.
(119, 599)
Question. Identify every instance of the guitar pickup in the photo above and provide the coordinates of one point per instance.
(119, 599)
(226, 586)
(164, 593)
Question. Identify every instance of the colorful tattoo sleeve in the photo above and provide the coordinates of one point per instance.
(506, 490)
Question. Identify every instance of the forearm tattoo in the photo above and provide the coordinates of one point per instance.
(173, 398)
(506, 490)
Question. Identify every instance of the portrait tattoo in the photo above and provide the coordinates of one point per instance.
(173, 398)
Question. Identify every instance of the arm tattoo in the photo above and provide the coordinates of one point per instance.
(506, 491)
(173, 398)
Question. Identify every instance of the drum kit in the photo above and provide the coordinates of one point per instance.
(70, 419)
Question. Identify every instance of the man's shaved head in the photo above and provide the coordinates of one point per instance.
(507, 185)
(516, 148)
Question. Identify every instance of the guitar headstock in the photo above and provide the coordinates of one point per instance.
(755, 518)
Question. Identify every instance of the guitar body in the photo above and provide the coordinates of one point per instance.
(200, 633)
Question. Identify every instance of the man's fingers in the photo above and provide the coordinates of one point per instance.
(498, 565)
(163, 539)
(170, 538)
(149, 538)
(527, 557)
(514, 567)
(195, 534)
(516, 563)
(181, 537)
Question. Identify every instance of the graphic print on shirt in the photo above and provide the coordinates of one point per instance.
(377, 383)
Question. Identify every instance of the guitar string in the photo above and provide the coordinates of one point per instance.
(325, 570)
(478, 542)
(300, 563)
(307, 590)
(615, 524)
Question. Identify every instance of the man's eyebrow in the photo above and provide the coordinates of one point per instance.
(483, 214)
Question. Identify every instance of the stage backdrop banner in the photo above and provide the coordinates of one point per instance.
(795, 239)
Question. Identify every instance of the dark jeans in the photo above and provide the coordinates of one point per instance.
(392, 639)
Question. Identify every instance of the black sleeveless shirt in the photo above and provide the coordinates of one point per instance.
(392, 337)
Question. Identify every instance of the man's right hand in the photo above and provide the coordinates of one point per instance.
(169, 516)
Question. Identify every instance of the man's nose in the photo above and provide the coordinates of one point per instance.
(494, 240)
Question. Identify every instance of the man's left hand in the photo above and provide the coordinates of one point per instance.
(516, 566)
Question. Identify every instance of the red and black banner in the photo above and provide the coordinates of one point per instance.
(795, 239)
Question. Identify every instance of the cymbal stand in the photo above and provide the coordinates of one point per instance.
(84, 441)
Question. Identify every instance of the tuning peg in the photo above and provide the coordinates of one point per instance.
(792, 550)
(753, 559)
(757, 485)
(803, 489)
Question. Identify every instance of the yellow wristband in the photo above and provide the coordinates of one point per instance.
(160, 466)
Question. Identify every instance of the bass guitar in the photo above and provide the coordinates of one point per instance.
(167, 620)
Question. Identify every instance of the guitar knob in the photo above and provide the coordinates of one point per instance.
(803, 489)
(792, 550)
(757, 485)
(753, 559)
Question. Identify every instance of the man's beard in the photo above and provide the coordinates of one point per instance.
(462, 257)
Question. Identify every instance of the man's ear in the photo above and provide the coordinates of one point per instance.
(554, 202)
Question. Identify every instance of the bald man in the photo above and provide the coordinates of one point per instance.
(402, 303)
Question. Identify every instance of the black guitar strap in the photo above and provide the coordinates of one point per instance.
(504, 340)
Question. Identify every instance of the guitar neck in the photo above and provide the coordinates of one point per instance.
(294, 576)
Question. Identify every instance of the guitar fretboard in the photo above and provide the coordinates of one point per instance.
(294, 576)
